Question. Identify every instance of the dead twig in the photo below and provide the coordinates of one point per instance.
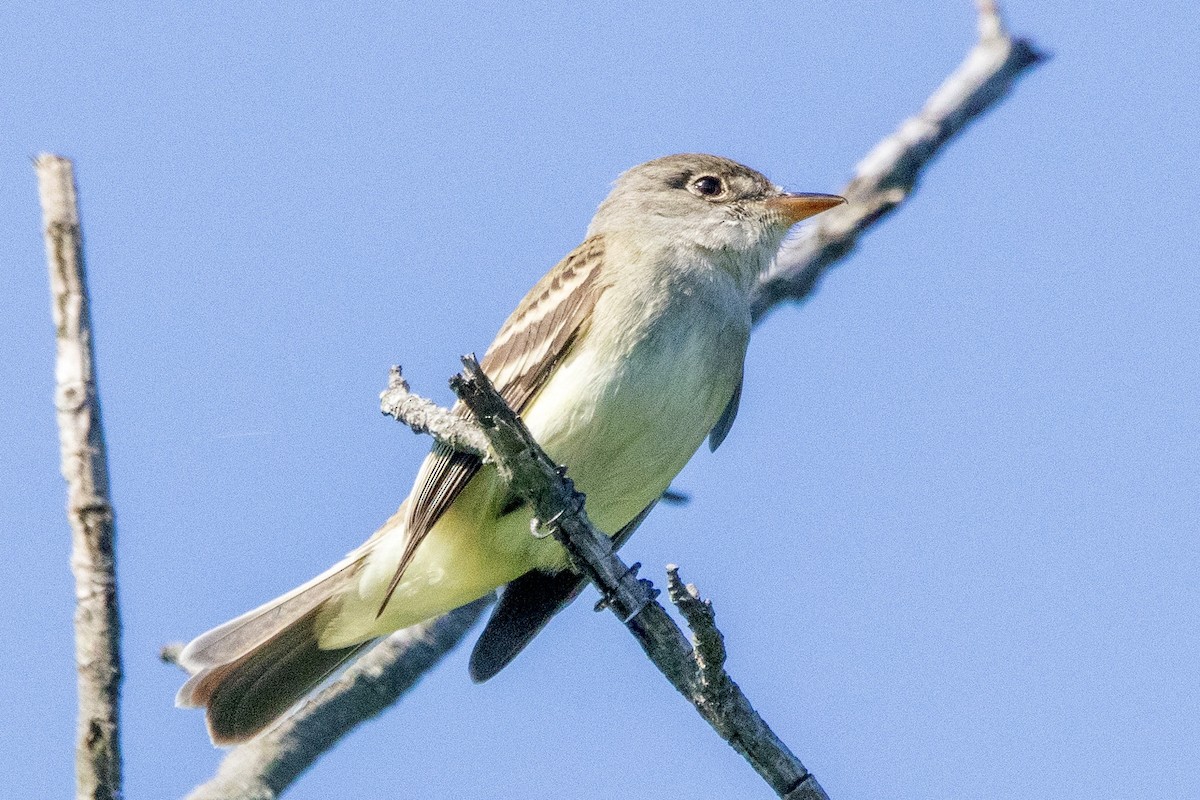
(89, 511)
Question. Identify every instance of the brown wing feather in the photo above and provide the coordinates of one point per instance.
(534, 339)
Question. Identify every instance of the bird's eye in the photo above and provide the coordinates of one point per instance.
(708, 186)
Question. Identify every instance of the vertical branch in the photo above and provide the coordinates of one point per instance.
(81, 440)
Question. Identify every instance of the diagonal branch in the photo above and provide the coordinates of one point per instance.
(886, 177)
(89, 511)
(698, 675)
(264, 767)
(883, 180)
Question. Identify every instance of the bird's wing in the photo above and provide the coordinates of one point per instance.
(528, 603)
(536, 337)
(721, 429)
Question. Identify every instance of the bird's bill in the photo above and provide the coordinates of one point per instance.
(796, 207)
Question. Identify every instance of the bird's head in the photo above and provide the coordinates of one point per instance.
(707, 202)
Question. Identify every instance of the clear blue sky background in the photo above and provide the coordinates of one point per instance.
(952, 539)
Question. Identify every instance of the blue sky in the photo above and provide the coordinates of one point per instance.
(951, 539)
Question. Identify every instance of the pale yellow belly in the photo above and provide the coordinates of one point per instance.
(623, 422)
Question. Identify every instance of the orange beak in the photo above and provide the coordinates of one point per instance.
(795, 207)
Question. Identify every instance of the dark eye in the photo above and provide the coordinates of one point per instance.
(708, 186)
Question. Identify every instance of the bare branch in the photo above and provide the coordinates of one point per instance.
(169, 654)
(883, 180)
(264, 767)
(426, 416)
(708, 642)
(559, 509)
(887, 175)
(89, 511)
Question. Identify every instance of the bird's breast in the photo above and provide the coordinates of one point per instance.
(639, 392)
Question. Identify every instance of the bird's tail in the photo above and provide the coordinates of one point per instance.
(251, 670)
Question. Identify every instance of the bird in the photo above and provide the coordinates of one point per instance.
(621, 361)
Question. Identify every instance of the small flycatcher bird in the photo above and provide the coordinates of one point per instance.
(621, 360)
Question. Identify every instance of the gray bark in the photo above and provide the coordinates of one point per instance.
(698, 674)
(887, 175)
(89, 512)
(264, 767)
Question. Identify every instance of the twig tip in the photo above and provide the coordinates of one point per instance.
(169, 654)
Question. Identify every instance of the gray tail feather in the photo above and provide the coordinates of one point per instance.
(236, 638)
(247, 694)
(252, 669)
